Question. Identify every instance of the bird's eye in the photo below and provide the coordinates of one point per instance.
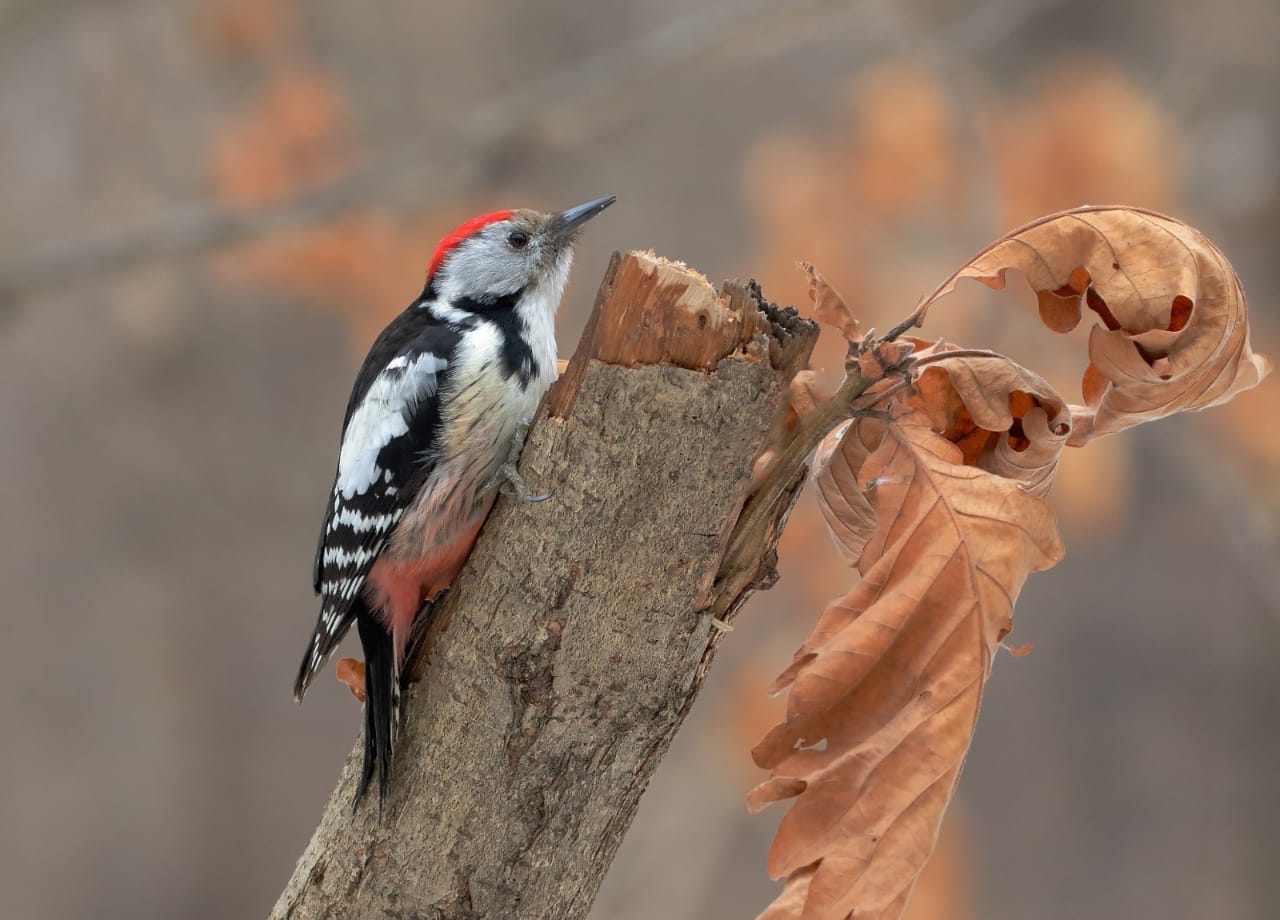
(518, 239)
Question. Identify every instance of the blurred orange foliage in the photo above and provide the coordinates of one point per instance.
(943, 891)
(294, 134)
(1085, 133)
(903, 155)
(892, 194)
(365, 266)
(230, 29)
(1259, 444)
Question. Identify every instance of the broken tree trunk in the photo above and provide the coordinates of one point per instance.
(573, 643)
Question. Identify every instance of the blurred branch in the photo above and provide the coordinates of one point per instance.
(744, 32)
(485, 127)
(573, 644)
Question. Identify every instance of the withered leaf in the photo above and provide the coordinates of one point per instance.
(846, 505)
(1174, 331)
(350, 673)
(806, 392)
(885, 691)
(1020, 422)
(941, 510)
(828, 306)
(1004, 418)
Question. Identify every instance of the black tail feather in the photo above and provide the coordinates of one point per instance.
(381, 705)
(330, 629)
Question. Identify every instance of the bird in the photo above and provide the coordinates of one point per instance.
(435, 421)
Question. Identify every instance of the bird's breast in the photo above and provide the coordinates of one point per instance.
(484, 408)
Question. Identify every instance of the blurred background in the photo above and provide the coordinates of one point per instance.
(208, 208)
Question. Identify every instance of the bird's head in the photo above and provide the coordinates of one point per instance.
(509, 254)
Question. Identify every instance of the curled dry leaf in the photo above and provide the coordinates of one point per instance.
(350, 673)
(885, 691)
(1006, 419)
(941, 509)
(1174, 333)
(828, 306)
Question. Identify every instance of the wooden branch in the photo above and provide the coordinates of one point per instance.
(575, 640)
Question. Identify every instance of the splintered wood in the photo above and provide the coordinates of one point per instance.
(653, 311)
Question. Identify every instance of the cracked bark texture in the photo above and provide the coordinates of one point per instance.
(565, 658)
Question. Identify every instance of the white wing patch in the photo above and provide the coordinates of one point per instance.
(382, 416)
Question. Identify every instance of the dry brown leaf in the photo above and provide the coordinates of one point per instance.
(806, 393)
(828, 306)
(790, 903)
(807, 537)
(1006, 419)
(845, 504)
(885, 692)
(941, 509)
(1174, 333)
(350, 673)
(878, 201)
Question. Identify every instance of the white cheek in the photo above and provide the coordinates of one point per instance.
(482, 267)
(561, 275)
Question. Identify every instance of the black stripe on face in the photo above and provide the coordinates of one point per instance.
(517, 356)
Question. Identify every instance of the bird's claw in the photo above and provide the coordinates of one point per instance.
(510, 476)
(518, 489)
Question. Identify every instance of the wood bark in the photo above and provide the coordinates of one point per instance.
(565, 658)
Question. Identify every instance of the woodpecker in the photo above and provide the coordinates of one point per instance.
(433, 426)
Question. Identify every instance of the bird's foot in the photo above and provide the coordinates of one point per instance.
(513, 484)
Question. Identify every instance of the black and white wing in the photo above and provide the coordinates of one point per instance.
(391, 425)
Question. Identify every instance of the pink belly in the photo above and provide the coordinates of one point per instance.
(397, 586)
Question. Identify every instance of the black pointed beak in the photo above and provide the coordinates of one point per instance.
(573, 218)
